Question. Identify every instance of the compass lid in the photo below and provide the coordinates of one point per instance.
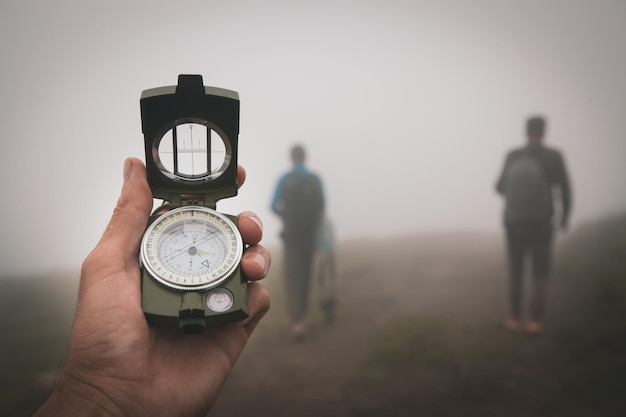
(191, 139)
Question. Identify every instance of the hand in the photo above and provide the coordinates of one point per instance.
(119, 366)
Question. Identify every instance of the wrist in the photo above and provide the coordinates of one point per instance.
(74, 397)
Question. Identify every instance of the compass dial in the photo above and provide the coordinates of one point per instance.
(191, 248)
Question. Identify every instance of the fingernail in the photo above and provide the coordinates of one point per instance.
(260, 260)
(256, 221)
(128, 168)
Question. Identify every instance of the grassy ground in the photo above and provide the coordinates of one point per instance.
(418, 332)
(442, 366)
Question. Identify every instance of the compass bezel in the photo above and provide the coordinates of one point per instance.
(159, 270)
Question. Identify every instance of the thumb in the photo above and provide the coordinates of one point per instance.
(120, 242)
(130, 216)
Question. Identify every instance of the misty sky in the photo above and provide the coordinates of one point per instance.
(407, 108)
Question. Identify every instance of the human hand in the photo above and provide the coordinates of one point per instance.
(117, 365)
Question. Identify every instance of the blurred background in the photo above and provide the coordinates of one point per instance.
(406, 109)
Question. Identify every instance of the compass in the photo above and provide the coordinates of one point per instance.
(191, 248)
(190, 254)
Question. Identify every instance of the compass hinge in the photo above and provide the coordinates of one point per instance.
(192, 200)
(198, 203)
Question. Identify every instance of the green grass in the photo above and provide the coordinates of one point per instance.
(439, 349)
(446, 366)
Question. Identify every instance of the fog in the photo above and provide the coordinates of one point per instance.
(406, 108)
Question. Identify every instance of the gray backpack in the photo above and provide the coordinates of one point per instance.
(303, 204)
(528, 192)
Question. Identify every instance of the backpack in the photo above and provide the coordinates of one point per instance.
(303, 204)
(528, 190)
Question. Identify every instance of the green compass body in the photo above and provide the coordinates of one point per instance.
(190, 253)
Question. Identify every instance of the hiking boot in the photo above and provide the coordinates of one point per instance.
(534, 327)
(511, 323)
(298, 331)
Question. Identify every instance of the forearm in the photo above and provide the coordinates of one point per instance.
(566, 201)
(566, 191)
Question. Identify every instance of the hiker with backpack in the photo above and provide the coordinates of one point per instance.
(299, 202)
(531, 178)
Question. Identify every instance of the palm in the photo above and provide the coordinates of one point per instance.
(172, 372)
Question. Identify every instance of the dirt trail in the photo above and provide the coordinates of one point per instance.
(278, 377)
(418, 332)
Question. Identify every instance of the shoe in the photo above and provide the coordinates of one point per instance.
(534, 327)
(511, 323)
(298, 331)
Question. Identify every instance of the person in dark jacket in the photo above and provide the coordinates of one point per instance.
(534, 177)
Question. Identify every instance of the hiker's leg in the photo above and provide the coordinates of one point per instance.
(515, 246)
(307, 254)
(541, 255)
(294, 277)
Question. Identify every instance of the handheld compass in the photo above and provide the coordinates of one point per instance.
(190, 254)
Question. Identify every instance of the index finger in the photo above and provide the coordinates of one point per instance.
(241, 175)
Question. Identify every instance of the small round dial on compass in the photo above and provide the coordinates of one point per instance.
(191, 248)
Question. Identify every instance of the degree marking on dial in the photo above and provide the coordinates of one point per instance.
(185, 248)
(193, 234)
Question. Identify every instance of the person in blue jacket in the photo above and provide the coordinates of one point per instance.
(299, 201)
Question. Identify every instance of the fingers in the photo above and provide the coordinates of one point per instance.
(241, 175)
(251, 227)
(256, 261)
(259, 302)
